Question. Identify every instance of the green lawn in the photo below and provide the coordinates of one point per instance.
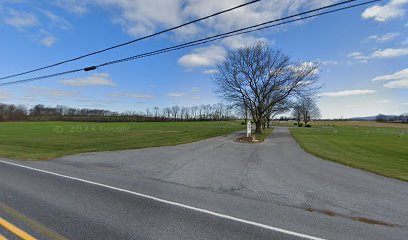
(376, 149)
(45, 140)
(262, 136)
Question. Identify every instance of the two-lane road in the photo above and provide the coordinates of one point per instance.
(211, 189)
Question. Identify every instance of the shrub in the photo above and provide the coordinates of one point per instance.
(243, 123)
(308, 125)
(295, 124)
(300, 125)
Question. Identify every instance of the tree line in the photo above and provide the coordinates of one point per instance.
(403, 118)
(39, 112)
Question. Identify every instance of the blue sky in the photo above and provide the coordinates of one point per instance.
(363, 52)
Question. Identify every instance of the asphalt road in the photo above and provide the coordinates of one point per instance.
(275, 184)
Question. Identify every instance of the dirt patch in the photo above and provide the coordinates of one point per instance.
(247, 140)
(359, 219)
(371, 221)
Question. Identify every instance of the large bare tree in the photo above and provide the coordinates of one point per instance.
(260, 78)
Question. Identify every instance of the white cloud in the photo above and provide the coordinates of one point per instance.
(210, 71)
(97, 79)
(20, 20)
(253, 14)
(329, 62)
(397, 80)
(203, 57)
(347, 93)
(405, 42)
(384, 53)
(384, 38)
(56, 21)
(397, 84)
(394, 9)
(383, 101)
(132, 95)
(390, 53)
(48, 41)
(140, 17)
(358, 56)
(240, 41)
(50, 92)
(73, 6)
(176, 94)
(400, 75)
(4, 96)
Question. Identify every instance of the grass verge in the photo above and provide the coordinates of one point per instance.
(262, 136)
(259, 137)
(45, 140)
(375, 149)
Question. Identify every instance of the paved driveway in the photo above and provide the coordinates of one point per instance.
(278, 173)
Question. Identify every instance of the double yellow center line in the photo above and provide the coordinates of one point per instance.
(17, 231)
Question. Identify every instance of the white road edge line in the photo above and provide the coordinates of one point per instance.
(276, 229)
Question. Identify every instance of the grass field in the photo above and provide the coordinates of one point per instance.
(345, 123)
(382, 150)
(45, 140)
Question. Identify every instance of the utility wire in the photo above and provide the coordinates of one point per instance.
(130, 42)
(239, 32)
(209, 39)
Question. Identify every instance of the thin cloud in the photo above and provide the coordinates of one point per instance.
(176, 94)
(399, 75)
(20, 19)
(4, 96)
(397, 84)
(383, 101)
(379, 54)
(48, 41)
(131, 95)
(398, 79)
(347, 93)
(50, 92)
(56, 21)
(384, 38)
(97, 79)
(203, 57)
(210, 71)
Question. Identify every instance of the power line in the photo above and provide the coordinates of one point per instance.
(260, 26)
(239, 31)
(129, 42)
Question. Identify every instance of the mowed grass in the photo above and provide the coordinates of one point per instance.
(45, 140)
(262, 136)
(381, 150)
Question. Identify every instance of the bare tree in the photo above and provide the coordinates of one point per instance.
(260, 77)
(175, 110)
(278, 108)
(297, 113)
(156, 112)
(309, 109)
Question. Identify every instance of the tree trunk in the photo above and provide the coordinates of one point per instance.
(258, 126)
(268, 122)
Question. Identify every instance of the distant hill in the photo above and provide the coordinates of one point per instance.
(369, 118)
(372, 118)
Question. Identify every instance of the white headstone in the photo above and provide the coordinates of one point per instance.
(249, 128)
